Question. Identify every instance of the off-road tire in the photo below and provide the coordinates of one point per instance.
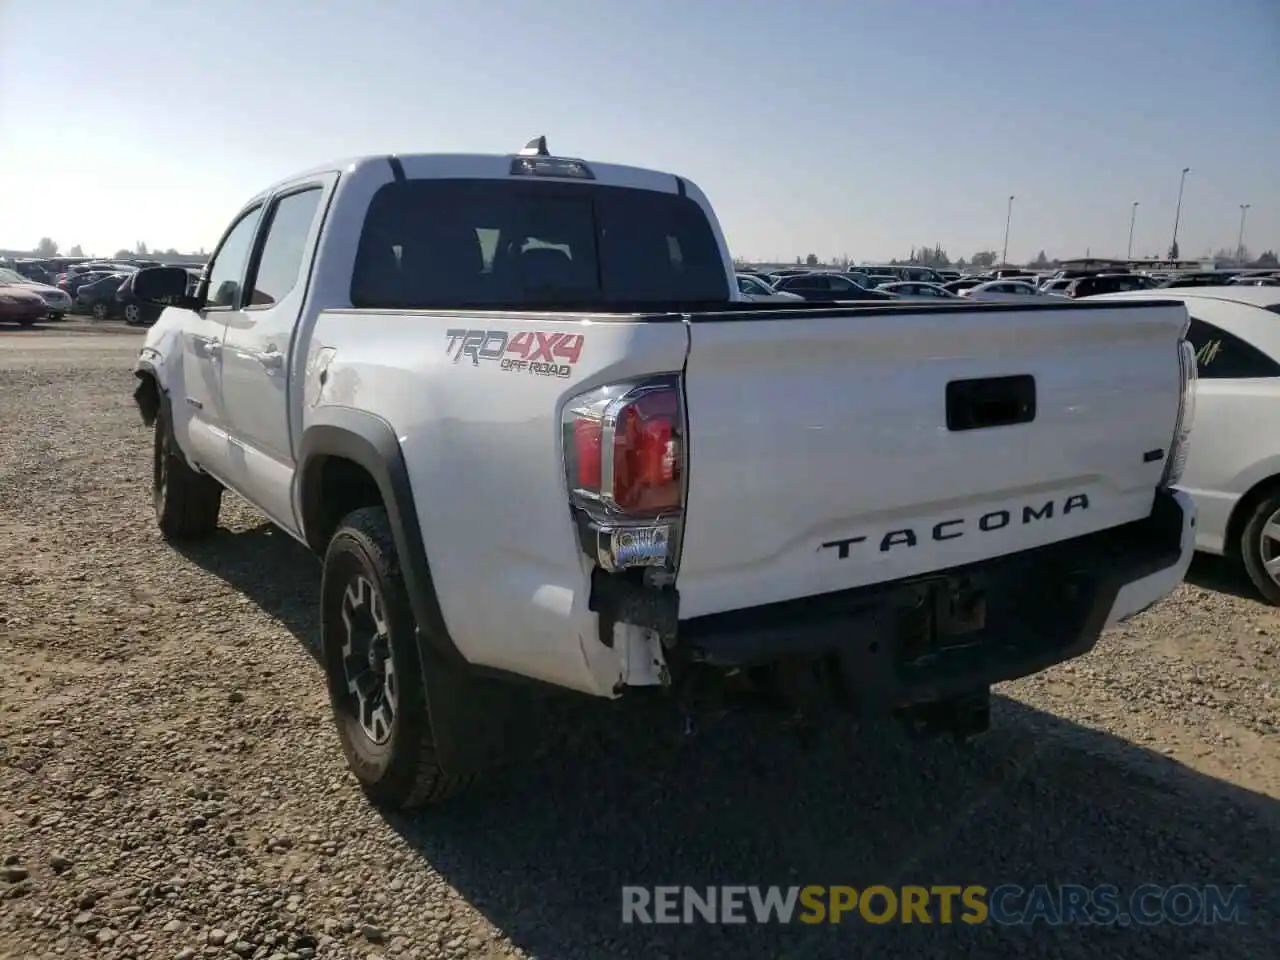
(404, 772)
(1251, 548)
(186, 501)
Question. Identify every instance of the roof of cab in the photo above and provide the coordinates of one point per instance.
(487, 164)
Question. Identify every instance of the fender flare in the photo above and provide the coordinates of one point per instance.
(474, 729)
(370, 442)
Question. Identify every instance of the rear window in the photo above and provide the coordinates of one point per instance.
(496, 244)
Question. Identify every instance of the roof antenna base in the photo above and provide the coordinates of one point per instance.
(537, 147)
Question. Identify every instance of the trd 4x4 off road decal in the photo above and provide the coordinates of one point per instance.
(529, 352)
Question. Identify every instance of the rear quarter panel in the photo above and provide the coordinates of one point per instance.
(481, 440)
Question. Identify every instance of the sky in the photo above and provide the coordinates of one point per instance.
(835, 127)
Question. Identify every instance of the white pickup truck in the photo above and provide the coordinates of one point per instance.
(520, 409)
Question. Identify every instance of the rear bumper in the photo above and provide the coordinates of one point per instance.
(902, 643)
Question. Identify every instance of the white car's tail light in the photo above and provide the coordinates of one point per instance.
(1181, 446)
(624, 461)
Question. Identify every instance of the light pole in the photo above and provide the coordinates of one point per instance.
(1133, 218)
(1008, 217)
(1177, 214)
(1244, 209)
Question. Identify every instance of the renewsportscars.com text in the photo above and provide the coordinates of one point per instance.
(1008, 904)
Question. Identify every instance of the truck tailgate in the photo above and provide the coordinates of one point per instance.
(828, 451)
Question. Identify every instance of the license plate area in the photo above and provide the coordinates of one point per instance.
(941, 614)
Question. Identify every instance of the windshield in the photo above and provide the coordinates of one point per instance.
(497, 244)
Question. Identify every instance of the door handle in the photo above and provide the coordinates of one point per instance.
(272, 360)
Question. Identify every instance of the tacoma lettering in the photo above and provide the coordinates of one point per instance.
(989, 522)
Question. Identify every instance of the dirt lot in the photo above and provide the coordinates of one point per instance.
(170, 786)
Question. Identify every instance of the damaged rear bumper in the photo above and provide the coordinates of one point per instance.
(957, 631)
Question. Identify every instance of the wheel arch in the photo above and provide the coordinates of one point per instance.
(1244, 508)
(149, 396)
(343, 438)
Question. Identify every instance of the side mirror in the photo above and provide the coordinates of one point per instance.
(164, 287)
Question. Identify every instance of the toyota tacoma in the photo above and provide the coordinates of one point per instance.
(518, 407)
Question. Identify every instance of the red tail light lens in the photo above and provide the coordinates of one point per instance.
(587, 437)
(646, 454)
(624, 460)
(623, 444)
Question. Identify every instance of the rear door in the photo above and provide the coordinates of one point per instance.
(258, 362)
(831, 451)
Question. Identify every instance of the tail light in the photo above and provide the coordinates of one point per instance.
(1176, 462)
(624, 462)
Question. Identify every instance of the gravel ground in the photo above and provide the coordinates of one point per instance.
(172, 788)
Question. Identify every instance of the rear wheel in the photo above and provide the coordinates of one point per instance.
(132, 314)
(373, 668)
(186, 501)
(1260, 548)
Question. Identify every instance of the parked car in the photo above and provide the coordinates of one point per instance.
(827, 286)
(136, 313)
(964, 283)
(1233, 467)
(753, 288)
(1101, 283)
(20, 305)
(74, 281)
(917, 291)
(99, 297)
(56, 301)
(1056, 286)
(1213, 278)
(1002, 290)
(517, 467)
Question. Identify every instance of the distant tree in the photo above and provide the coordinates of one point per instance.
(811, 260)
(1040, 262)
(75, 251)
(172, 252)
(46, 248)
(140, 249)
(930, 256)
(798, 260)
(983, 259)
(124, 253)
(1267, 259)
(960, 264)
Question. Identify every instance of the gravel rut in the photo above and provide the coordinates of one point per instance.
(171, 787)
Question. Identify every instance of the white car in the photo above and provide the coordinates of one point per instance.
(1056, 287)
(1002, 290)
(753, 288)
(56, 300)
(1233, 469)
(520, 408)
(917, 290)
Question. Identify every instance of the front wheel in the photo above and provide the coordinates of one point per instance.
(132, 314)
(373, 668)
(1260, 548)
(186, 501)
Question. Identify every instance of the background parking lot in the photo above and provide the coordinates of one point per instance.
(172, 785)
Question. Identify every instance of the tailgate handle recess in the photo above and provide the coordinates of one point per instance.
(991, 402)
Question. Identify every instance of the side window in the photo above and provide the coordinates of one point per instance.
(281, 260)
(1221, 355)
(226, 270)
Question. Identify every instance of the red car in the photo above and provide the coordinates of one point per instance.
(19, 305)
